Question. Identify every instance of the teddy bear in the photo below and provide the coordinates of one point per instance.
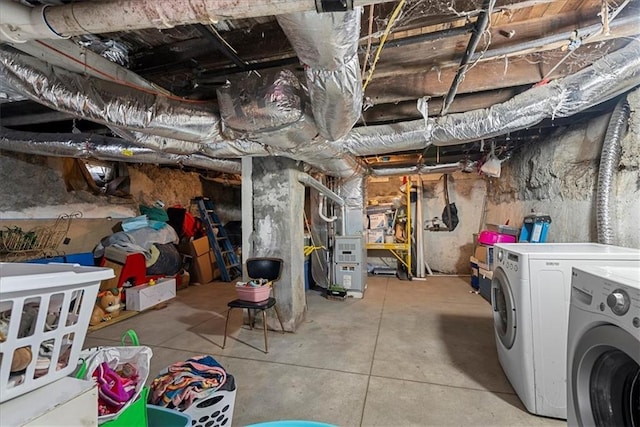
(107, 306)
(21, 357)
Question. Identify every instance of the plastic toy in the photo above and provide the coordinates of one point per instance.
(107, 306)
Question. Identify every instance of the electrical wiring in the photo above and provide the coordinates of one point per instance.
(387, 30)
(366, 56)
(119, 81)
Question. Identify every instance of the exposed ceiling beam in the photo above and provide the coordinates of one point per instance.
(537, 36)
(436, 83)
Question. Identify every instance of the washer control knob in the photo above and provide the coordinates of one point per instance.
(618, 302)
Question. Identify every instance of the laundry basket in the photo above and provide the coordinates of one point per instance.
(44, 316)
(215, 410)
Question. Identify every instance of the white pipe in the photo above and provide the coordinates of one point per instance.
(126, 15)
(308, 180)
(19, 23)
(321, 214)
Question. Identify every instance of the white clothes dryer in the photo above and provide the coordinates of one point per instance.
(603, 364)
(530, 294)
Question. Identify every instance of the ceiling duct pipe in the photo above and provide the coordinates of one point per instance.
(91, 146)
(224, 149)
(274, 110)
(42, 22)
(275, 118)
(109, 103)
(327, 45)
(608, 77)
(609, 161)
(421, 170)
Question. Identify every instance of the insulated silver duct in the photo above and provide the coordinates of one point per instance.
(173, 124)
(609, 160)
(422, 170)
(87, 146)
(606, 78)
(327, 44)
(107, 102)
(272, 110)
(353, 191)
(224, 149)
(275, 111)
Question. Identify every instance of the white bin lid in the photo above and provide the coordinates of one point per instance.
(25, 277)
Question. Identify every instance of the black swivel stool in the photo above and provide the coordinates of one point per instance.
(258, 268)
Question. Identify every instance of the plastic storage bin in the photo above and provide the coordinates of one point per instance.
(157, 416)
(488, 237)
(535, 228)
(215, 410)
(485, 284)
(253, 294)
(475, 274)
(44, 316)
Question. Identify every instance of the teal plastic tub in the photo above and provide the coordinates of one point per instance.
(158, 416)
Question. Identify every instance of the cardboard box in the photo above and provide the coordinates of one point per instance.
(203, 263)
(140, 298)
(377, 221)
(375, 236)
(484, 255)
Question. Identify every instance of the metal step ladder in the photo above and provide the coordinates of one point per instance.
(226, 258)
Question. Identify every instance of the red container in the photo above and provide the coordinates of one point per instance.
(488, 237)
(253, 294)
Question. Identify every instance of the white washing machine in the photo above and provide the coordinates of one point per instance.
(603, 364)
(530, 294)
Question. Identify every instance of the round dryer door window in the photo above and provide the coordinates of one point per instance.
(606, 378)
(504, 309)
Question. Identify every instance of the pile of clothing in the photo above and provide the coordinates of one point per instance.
(179, 385)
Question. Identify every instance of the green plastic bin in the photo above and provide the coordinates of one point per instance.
(134, 415)
(159, 416)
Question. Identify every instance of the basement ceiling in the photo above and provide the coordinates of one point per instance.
(408, 50)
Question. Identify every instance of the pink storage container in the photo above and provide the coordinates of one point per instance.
(488, 237)
(253, 294)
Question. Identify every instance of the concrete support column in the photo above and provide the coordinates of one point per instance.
(278, 205)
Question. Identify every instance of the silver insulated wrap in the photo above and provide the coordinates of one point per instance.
(327, 44)
(91, 146)
(108, 103)
(609, 161)
(272, 110)
(605, 79)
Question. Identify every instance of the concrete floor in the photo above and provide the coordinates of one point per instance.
(409, 354)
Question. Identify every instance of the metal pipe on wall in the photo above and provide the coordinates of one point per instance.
(609, 160)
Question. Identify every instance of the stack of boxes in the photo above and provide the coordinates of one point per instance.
(378, 227)
(482, 261)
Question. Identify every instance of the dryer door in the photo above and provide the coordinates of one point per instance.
(504, 308)
(605, 378)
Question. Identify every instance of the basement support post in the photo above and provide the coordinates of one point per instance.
(278, 231)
